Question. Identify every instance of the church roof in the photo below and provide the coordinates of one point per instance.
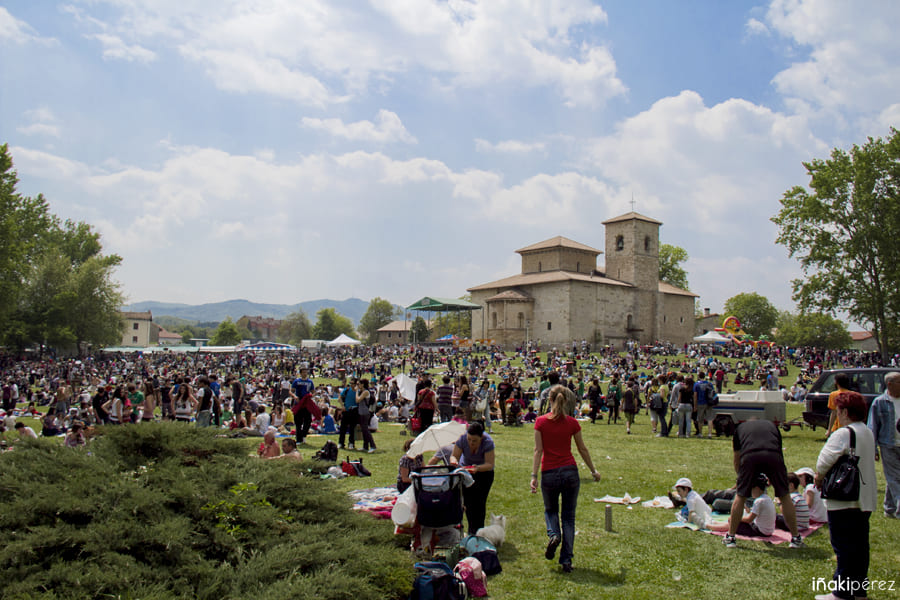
(668, 288)
(558, 242)
(631, 216)
(547, 277)
(513, 295)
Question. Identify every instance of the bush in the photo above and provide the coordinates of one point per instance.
(171, 511)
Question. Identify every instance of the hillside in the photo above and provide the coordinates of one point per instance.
(352, 308)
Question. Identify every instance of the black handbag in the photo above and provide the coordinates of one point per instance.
(843, 479)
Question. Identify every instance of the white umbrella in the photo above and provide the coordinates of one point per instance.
(436, 437)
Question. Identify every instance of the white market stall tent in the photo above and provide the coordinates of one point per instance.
(343, 340)
(711, 337)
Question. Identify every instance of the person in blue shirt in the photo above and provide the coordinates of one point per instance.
(350, 418)
(302, 386)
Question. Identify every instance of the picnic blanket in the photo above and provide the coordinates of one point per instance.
(720, 521)
(378, 502)
(626, 499)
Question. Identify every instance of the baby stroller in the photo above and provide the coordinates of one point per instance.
(439, 499)
(513, 412)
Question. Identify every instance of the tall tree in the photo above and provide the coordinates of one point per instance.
(812, 329)
(226, 334)
(330, 324)
(418, 332)
(755, 312)
(295, 328)
(380, 313)
(845, 230)
(670, 271)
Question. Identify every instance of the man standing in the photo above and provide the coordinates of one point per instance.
(757, 451)
(302, 386)
(350, 418)
(841, 384)
(702, 410)
(445, 399)
(883, 421)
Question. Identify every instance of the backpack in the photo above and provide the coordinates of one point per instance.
(436, 581)
(656, 401)
(329, 452)
(712, 398)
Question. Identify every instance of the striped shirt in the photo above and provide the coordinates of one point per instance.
(801, 509)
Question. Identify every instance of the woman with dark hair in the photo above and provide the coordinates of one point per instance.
(425, 405)
(553, 435)
(464, 395)
(848, 520)
(475, 452)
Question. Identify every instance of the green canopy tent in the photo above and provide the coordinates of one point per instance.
(434, 304)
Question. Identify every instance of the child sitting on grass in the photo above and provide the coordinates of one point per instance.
(758, 521)
(801, 508)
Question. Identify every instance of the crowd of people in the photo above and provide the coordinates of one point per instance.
(267, 394)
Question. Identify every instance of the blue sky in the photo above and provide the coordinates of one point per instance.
(283, 151)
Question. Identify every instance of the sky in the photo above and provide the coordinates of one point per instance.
(283, 151)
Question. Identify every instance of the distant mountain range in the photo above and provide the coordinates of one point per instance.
(352, 308)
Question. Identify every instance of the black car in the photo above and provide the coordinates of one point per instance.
(868, 382)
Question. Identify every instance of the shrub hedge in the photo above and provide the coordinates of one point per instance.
(172, 511)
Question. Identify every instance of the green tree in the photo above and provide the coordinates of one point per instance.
(845, 230)
(380, 313)
(418, 331)
(330, 324)
(294, 328)
(56, 287)
(755, 312)
(813, 329)
(670, 271)
(226, 334)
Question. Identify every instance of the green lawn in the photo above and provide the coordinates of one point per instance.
(641, 558)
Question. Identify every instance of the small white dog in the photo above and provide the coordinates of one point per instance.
(495, 533)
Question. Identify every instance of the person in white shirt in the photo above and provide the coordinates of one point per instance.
(698, 511)
(759, 521)
(817, 511)
(848, 520)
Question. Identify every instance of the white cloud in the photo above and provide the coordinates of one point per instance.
(114, 48)
(756, 27)
(717, 162)
(43, 123)
(853, 49)
(386, 128)
(18, 31)
(509, 146)
(318, 52)
(39, 129)
(543, 199)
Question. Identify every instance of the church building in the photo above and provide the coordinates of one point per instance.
(561, 295)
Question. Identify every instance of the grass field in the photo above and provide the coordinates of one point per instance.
(640, 558)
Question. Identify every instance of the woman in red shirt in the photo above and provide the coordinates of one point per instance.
(553, 434)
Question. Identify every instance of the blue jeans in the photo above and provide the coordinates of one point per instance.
(890, 462)
(683, 418)
(564, 482)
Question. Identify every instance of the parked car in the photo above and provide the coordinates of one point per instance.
(868, 382)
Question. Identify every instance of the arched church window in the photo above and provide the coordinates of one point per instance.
(578, 267)
(494, 320)
(630, 323)
(620, 242)
(540, 267)
(521, 320)
(647, 243)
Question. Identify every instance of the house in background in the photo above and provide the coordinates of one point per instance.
(167, 338)
(863, 341)
(396, 332)
(140, 331)
(261, 328)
